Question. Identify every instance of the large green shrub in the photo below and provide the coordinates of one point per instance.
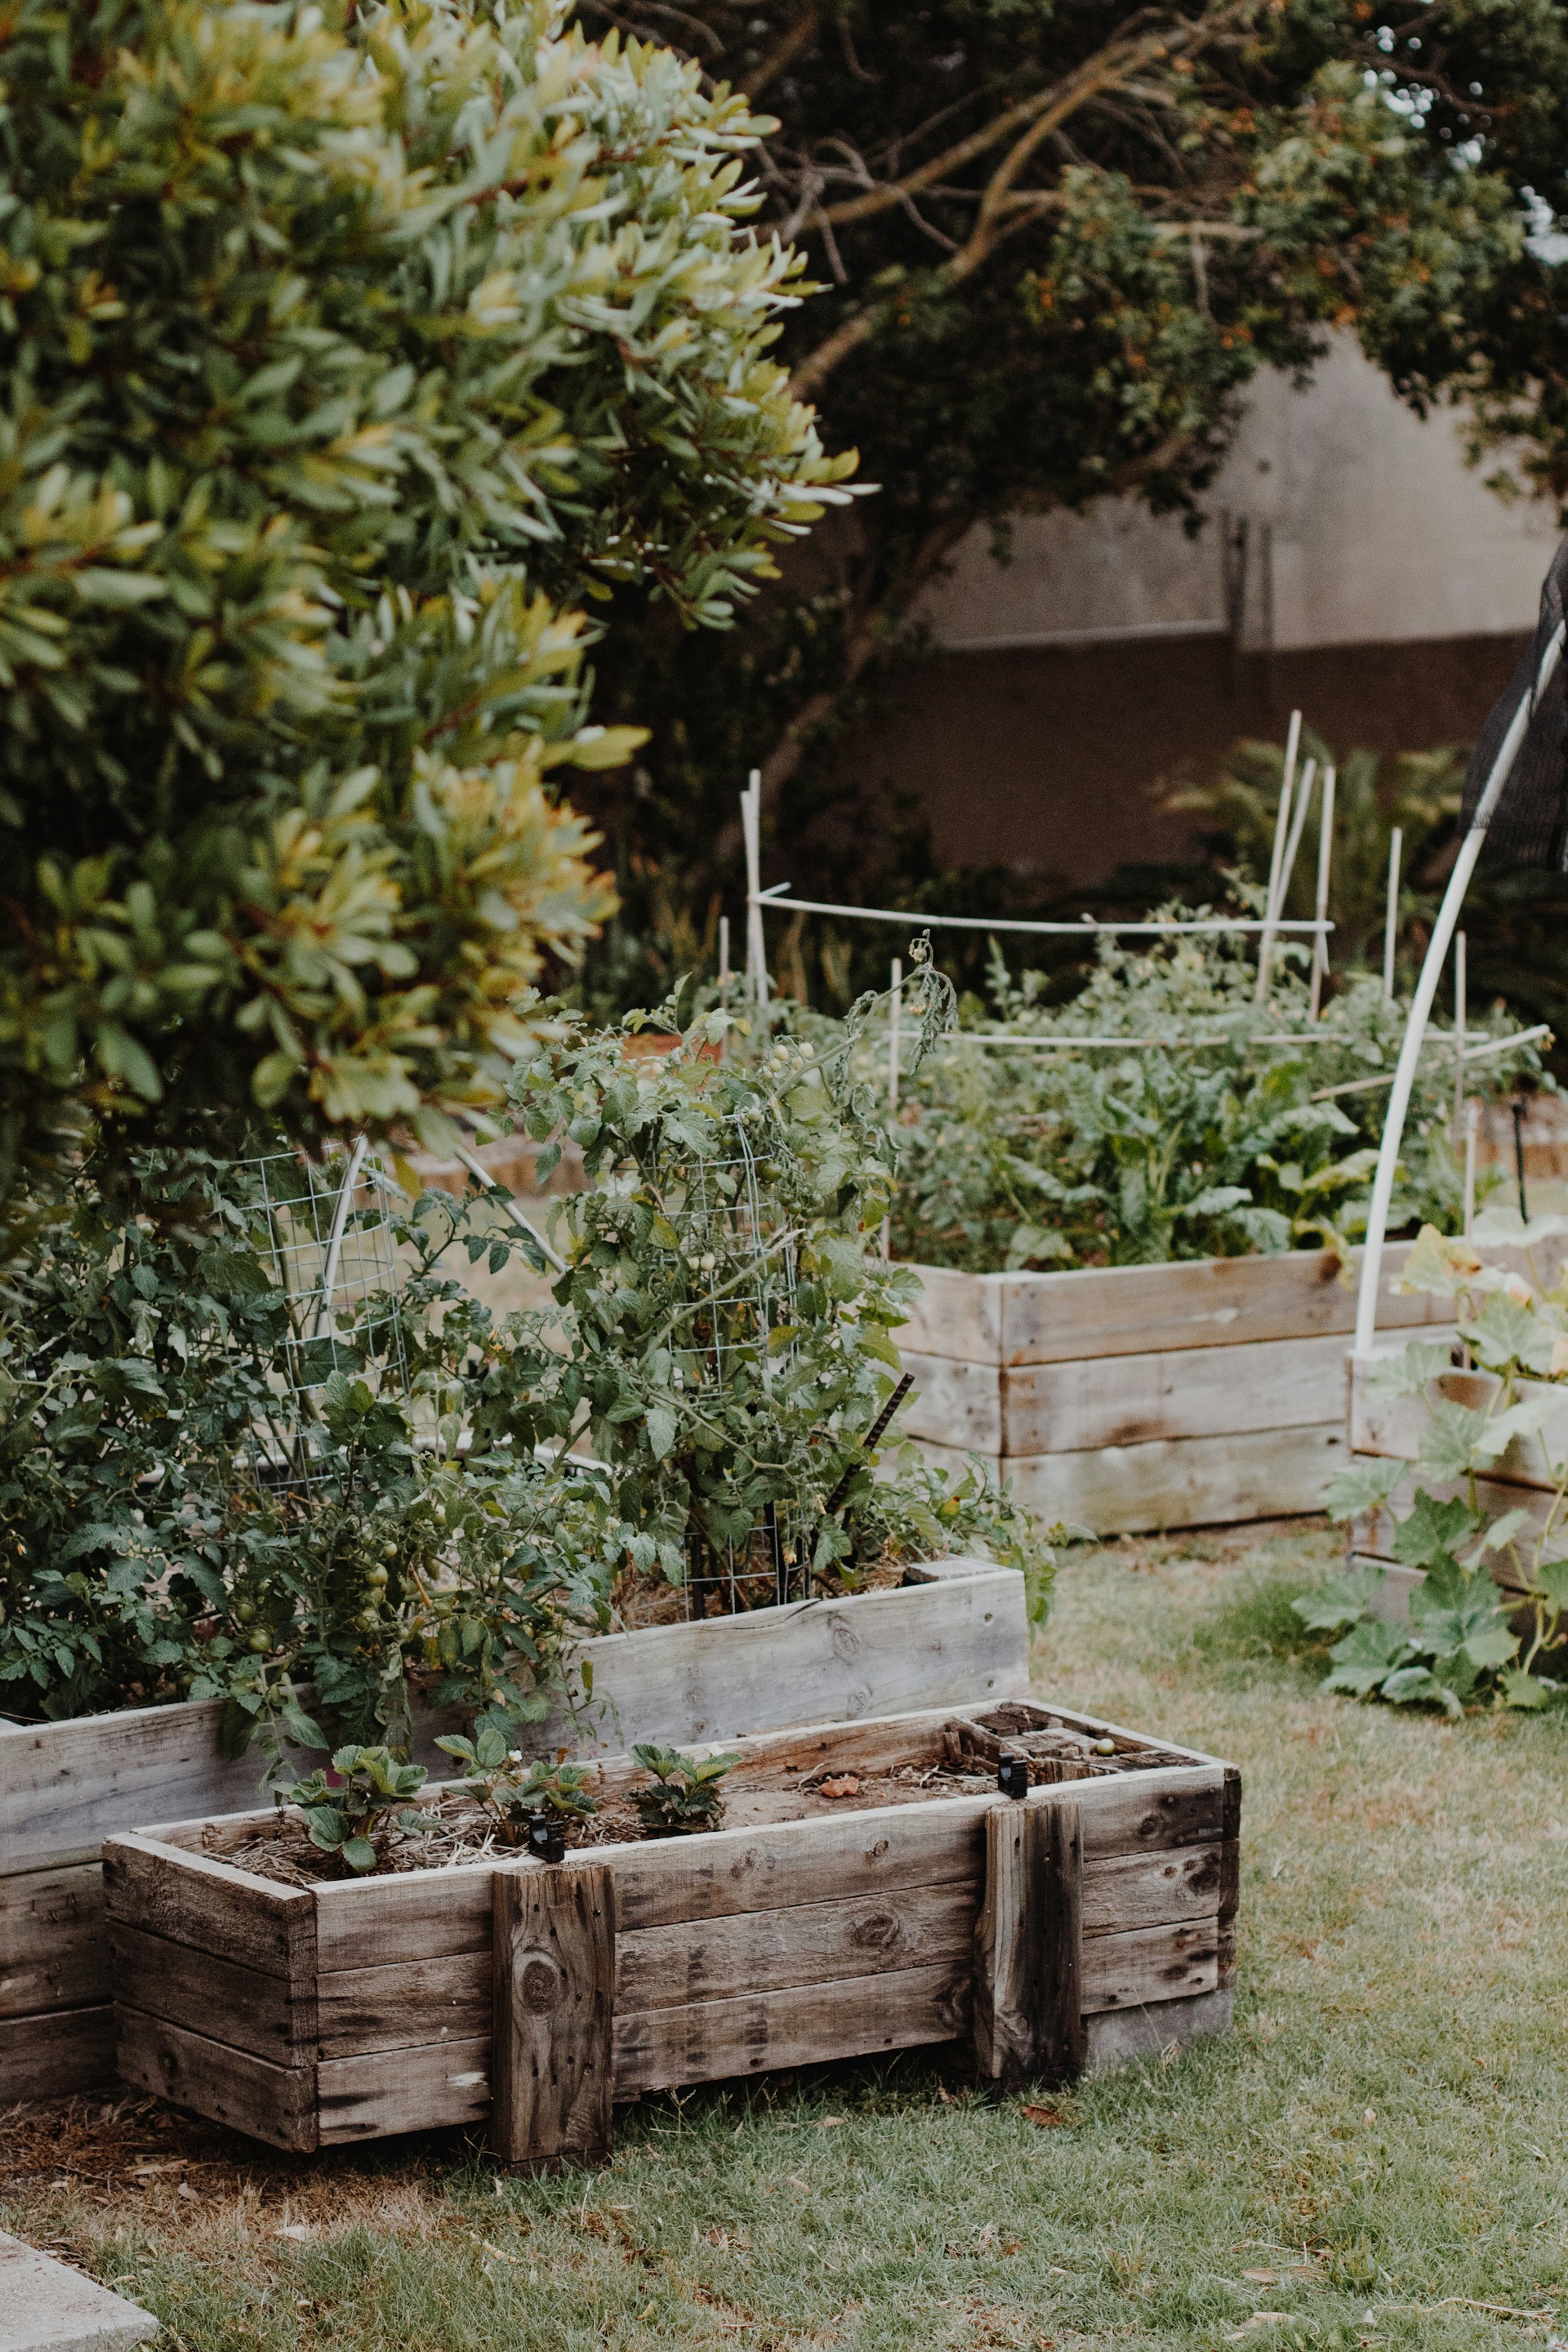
(344, 350)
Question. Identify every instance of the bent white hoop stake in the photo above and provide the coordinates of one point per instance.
(1321, 908)
(1426, 988)
(1281, 821)
(752, 833)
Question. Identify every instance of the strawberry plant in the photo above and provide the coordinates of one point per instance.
(513, 1792)
(686, 1795)
(352, 1805)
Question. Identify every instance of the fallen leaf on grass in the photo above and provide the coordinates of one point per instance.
(843, 1784)
(829, 2122)
(1262, 2278)
(796, 2182)
(1047, 2118)
(297, 2230)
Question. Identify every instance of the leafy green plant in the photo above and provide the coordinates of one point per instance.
(686, 1795)
(351, 1805)
(513, 1790)
(1463, 1646)
(1207, 1137)
(346, 354)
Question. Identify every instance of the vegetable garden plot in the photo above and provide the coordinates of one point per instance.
(954, 1626)
(1092, 1917)
(1137, 1397)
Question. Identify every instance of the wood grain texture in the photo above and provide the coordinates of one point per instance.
(65, 1787)
(271, 2102)
(859, 1857)
(428, 2089)
(361, 2010)
(1029, 1934)
(797, 2026)
(1146, 1890)
(391, 1922)
(812, 1943)
(956, 1315)
(1143, 1812)
(1396, 1427)
(1229, 1876)
(52, 1949)
(192, 1900)
(1146, 1965)
(875, 1654)
(1175, 1482)
(555, 1960)
(1372, 1532)
(55, 2055)
(239, 2006)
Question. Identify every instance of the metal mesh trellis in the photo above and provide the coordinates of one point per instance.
(325, 1231)
(740, 1256)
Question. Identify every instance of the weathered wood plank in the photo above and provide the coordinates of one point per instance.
(1175, 1482)
(275, 2104)
(65, 1787)
(555, 1960)
(812, 1943)
(52, 1951)
(240, 2007)
(878, 1653)
(1229, 1876)
(1027, 1941)
(390, 1922)
(1395, 1428)
(1146, 1890)
(864, 1856)
(955, 1402)
(52, 2056)
(713, 2039)
(1150, 1964)
(403, 2090)
(1220, 1302)
(1372, 1532)
(956, 1315)
(192, 1900)
(404, 2006)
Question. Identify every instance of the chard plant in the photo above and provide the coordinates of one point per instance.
(686, 1795)
(1466, 1642)
(512, 1790)
(352, 1805)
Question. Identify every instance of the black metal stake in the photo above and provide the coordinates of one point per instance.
(781, 1569)
(868, 1444)
(1520, 1109)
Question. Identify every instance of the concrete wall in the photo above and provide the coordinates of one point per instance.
(1380, 534)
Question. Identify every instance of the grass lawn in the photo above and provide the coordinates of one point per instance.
(1375, 2156)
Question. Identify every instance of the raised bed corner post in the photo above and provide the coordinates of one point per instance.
(1028, 1946)
(554, 1954)
(1501, 769)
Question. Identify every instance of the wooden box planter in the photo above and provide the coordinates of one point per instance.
(1089, 1920)
(1129, 1398)
(956, 1629)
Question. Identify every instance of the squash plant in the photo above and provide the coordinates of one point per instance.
(1463, 1646)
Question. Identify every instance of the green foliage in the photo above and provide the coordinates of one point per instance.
(152, 1551)
(349, 1806)
(512, 1792)
(1462, 1645)
(346, 352)
(686, 1795)
(1201, 1140)
(723, 1339)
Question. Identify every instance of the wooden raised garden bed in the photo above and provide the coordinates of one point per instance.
(957, 1628)
(1137, 1397)
(913, 1905)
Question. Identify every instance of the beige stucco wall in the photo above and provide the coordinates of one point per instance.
(1379, 532)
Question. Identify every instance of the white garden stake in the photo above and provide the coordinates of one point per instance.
(1472, 1133)
(1390, 919)
(1320, 909)
(1281, 821)
(752, 832)
(1460, 991)
(895, 1008)
(1426, 988)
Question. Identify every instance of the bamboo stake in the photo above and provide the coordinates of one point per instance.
(895, 1009)
(1325, 859)
(1281, 821)
(756, 949)
(724, 982)
(1390, 919)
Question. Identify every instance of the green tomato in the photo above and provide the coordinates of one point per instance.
(368, 1620)
(260, 1641)
(244, 1611)
(376, 1574)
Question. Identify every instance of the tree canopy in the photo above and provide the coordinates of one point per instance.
(345, 353)
(1059, 237)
